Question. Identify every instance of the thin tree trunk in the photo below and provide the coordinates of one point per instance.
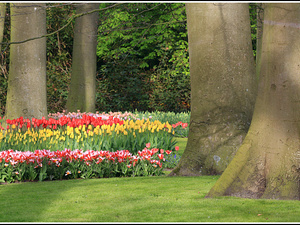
(26, 92)
(223, 86)
(2, 20)
(267, 165)
(82, 94)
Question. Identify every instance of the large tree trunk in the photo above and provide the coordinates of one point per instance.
(82, 94)
(223, 86)
(267, 165)
(26, 92)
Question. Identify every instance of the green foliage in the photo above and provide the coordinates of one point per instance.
(122, 86)
(171, 79)
(59, 55)
(146, 43)
(172, 160)
(253, 24)
(4, 62)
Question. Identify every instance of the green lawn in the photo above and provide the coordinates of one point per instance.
(181, 142)
(135, 199)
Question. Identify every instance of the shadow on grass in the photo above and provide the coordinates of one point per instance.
(26, 201)
(94, 200)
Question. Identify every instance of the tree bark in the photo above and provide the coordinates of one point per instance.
(267, 165)
(223, 86)
(82, 94)
(2, 20)
(26, 92)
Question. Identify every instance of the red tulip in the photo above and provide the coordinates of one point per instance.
(168, 152)
(160, 156)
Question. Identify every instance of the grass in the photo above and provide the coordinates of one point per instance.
(136, 199)
(181, 142)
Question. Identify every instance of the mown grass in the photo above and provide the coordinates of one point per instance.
(181, 142)
(135, 199)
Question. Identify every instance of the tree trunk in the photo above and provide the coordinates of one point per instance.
(2, 20)
(26, 92)
(267, 165)
(82, 94)
(223, 86)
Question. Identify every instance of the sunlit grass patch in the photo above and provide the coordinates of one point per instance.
(137, 199)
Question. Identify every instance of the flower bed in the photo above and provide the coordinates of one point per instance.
(22, 137)
(57, 165)
(86, 133)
